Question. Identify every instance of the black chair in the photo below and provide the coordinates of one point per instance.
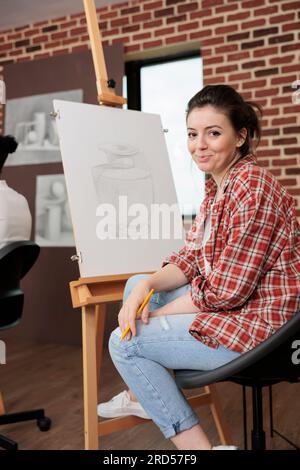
(275, 360)
(16, 259)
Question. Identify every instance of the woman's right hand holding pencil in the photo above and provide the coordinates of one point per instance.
(128, 312)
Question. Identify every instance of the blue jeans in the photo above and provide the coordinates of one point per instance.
(163, 344)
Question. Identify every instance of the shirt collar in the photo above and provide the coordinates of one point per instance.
(211, 185)
(3, 184)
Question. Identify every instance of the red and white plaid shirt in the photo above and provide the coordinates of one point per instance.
(254, 253)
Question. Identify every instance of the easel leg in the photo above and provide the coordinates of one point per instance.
(89, 377)
(100, 324)
(2, 407)
(217, 415)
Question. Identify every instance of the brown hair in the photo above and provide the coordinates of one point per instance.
(8, 144)
(241, 113)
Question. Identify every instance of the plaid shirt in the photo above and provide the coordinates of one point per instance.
(254, 253)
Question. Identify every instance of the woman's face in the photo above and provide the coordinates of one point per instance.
(212, 141)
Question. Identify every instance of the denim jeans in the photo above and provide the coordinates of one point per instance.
(164, 343)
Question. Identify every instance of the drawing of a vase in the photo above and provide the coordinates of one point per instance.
(123, 174)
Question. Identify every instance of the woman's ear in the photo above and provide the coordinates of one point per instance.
(242, 135)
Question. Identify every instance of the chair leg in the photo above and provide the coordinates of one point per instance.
(216, 410)
(271, 410)
(7, 444)
(245, 418)
(258, 435)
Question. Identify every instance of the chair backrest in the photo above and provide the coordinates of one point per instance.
(16, 259)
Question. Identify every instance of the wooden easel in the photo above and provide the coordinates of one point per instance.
(93, 293)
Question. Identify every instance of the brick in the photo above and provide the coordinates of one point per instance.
(188, 26)
(253, 24)
(133, 48)
(281, 38)
(39, 39)
(268, 11)
(200, 14)
(291, 68)
(265, 51)
(164, 31)
(239, 16)
(213, 60)
(291, 6)
(176, 19)
(264, 32)
(141, 17)
(238, 36)
(33, 48)
(152, 44)
(25, 42)
(201, 34)
(119, 22)
(253, 44)
(31, 32)
(140, 37)
(175, 39)
(189, 7)
(254, 63)
(153, 6)
(213, 21)
(226, 8)
(131, 28)
(227, 68)
(266, 92)
(53, 27)
(254, 84)
(164, 12)
(281, 60)
(281, 18)
(279, 80)
(153, 24)
(240, 76)
(283, 121)
(290, 47)
(226, 48)
(129, 11)
(226, 29)
(67, 24)
(253, 3)
(292, 171)
(284, 141)
(281, 100)
(121, 39)
(291, 151)
(292, 130)
(174, 2)
(238, 56)
(211, 3)
(291, 27)
(77, 31)
(264, 72)
(284, 161)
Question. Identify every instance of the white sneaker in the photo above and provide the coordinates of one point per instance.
(224, 448)
(121, 405)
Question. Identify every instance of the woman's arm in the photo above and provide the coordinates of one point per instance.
(182, 304)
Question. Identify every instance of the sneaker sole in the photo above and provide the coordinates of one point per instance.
(118, 414)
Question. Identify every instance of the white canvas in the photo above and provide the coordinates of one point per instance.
(116, 158)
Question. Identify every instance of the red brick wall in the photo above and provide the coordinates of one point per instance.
(252, 45)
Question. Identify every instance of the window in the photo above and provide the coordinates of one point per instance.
(164, 87)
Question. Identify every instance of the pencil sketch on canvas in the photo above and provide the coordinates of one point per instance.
(53, 226)
(123, 171)
(118, 174)
(28, 119)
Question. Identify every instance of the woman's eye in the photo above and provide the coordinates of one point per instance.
(192, 135)
(215, 133)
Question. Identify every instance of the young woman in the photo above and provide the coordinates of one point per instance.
(233, 284)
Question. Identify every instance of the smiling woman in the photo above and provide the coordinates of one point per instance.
(234, 283)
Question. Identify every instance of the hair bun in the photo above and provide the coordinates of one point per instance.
(8, 144)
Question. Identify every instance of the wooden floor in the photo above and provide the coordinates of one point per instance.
(50, 376)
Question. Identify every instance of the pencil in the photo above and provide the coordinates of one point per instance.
(138, 312)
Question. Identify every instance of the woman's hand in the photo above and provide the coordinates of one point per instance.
(127, 314)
